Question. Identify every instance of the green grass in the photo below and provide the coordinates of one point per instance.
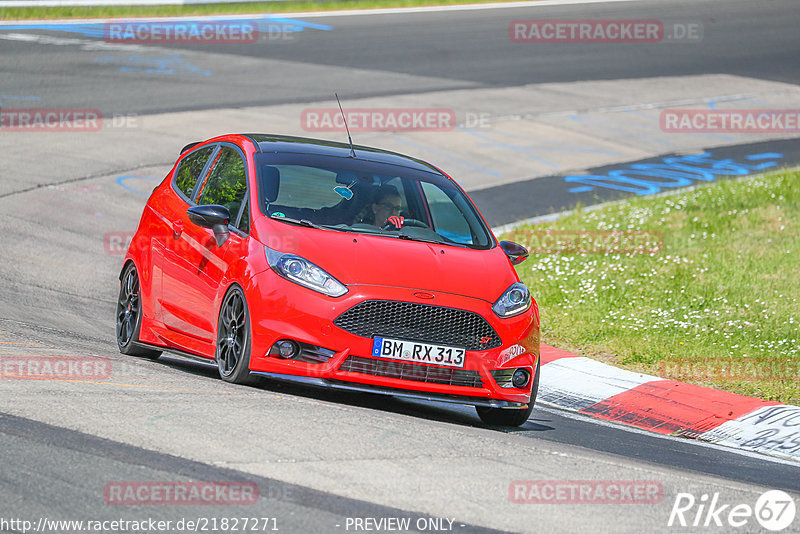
(718, 306)
(287, 6)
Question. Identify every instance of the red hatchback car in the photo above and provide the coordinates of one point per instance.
(330, 265)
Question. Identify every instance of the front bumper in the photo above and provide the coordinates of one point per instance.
(283, 310)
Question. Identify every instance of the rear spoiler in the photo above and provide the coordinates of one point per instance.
(189, 146)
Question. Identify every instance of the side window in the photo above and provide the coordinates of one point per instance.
(448, 220)
(190, 169)
(227, 183)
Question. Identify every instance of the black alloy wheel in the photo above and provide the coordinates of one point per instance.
(129, 316)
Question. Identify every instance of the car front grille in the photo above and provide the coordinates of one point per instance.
(419, 322)
(411, 371)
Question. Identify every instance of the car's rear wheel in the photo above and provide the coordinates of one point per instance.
(233, 338)
(510, 417)
(129, 315)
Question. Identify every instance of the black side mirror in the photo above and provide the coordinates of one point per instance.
(516, 253)
(212, 216)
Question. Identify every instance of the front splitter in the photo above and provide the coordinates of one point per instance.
(368, 388)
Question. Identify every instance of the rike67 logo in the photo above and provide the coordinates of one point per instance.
(774, 510)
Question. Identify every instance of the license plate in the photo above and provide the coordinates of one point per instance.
(413, 351)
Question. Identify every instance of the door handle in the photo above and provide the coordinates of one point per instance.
(177, 229)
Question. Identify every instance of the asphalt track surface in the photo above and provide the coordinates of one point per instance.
(319, 458)
(448, 49)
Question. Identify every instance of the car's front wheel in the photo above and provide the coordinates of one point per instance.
(233, 338)
(129, 315)
(507, 416)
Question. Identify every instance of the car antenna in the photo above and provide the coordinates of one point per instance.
(352, 150)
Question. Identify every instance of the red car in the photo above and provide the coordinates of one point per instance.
(331, 265)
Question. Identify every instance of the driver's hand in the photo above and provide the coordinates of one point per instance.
(396, 220)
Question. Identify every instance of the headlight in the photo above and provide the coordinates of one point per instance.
(514, 301)
(303, 272)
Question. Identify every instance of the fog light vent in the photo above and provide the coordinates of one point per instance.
(303, 352)
(512, 378)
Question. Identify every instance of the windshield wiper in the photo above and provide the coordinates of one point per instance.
(309, 224)
(421, 239)
(299, 222)
(443, 241)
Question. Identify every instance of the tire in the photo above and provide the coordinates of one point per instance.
(233, 339)
(510, 417)
(129, 315)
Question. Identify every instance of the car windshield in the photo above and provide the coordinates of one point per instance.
(369, 198)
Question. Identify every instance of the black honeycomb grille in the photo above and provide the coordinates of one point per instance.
(419, 322)
(411, 371)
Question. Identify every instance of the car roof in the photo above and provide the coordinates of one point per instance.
(271, 143)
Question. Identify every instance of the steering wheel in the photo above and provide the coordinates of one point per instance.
(406, 222)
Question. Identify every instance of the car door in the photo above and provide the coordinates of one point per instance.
(194, 265)
(167, 207)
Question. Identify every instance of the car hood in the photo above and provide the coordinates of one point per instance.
(372, 260)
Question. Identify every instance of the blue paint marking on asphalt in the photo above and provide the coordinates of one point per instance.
(87, 30)
(764, 155)
(265, 24)
(671, 172)
(298, 23)
(713, 103)
(171, 64)
(17, 97)
(122, 179)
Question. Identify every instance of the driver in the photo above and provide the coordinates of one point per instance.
(386, 203)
